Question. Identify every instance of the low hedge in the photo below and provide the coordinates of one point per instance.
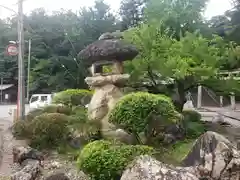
(104, 160)
(134, 112)
(73, 97)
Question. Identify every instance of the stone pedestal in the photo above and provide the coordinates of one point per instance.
(107, 93)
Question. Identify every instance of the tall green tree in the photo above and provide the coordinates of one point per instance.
(56, 41)
(178, 16)
(132, 12)
(8, 65)
(188, 60)
(228, 25)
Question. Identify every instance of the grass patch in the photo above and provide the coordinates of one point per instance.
(175, 153)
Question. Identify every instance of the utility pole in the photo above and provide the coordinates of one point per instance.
(21, 80)
(2, 89)
(29, 66)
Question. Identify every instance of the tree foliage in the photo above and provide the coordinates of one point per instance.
(228, 24)
(164, 31)
(56, 41)
(132, 12)
(178, 16)
(188, 61)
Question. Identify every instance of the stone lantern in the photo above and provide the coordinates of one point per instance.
(109, 50)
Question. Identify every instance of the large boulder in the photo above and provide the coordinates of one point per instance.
(69, 174)
(215, 154)
(30, 171)
(30, 161)
(21, 154)
(146, 167)
(57, 176)
(212, 157)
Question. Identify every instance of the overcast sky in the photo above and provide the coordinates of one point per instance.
(215, 7)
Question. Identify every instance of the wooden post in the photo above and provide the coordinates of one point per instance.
(238, 145)
(221, 101)
(199, 97)
(233, 102)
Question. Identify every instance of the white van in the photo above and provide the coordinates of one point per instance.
(40, 100)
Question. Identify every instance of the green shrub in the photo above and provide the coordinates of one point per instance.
(79, 111)
(21, 129)
(57, 109)
(73, 97)
(191, 115)
(103, 160)
(135, 112)
(80, 123)
(48, 109)
(49, 130)
(194, 129)
(192, 122)
(33, 113)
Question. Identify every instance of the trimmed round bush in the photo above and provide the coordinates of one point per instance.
(191, 115)
(49, 130)
(73, 97)
(135, 111)
(104, 160)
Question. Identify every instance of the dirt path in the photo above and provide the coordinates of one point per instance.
(6, 144)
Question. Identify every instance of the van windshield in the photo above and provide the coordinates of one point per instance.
(34, 99)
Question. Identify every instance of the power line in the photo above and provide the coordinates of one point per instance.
(5, 7)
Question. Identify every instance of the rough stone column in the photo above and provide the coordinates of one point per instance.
(107, 93)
